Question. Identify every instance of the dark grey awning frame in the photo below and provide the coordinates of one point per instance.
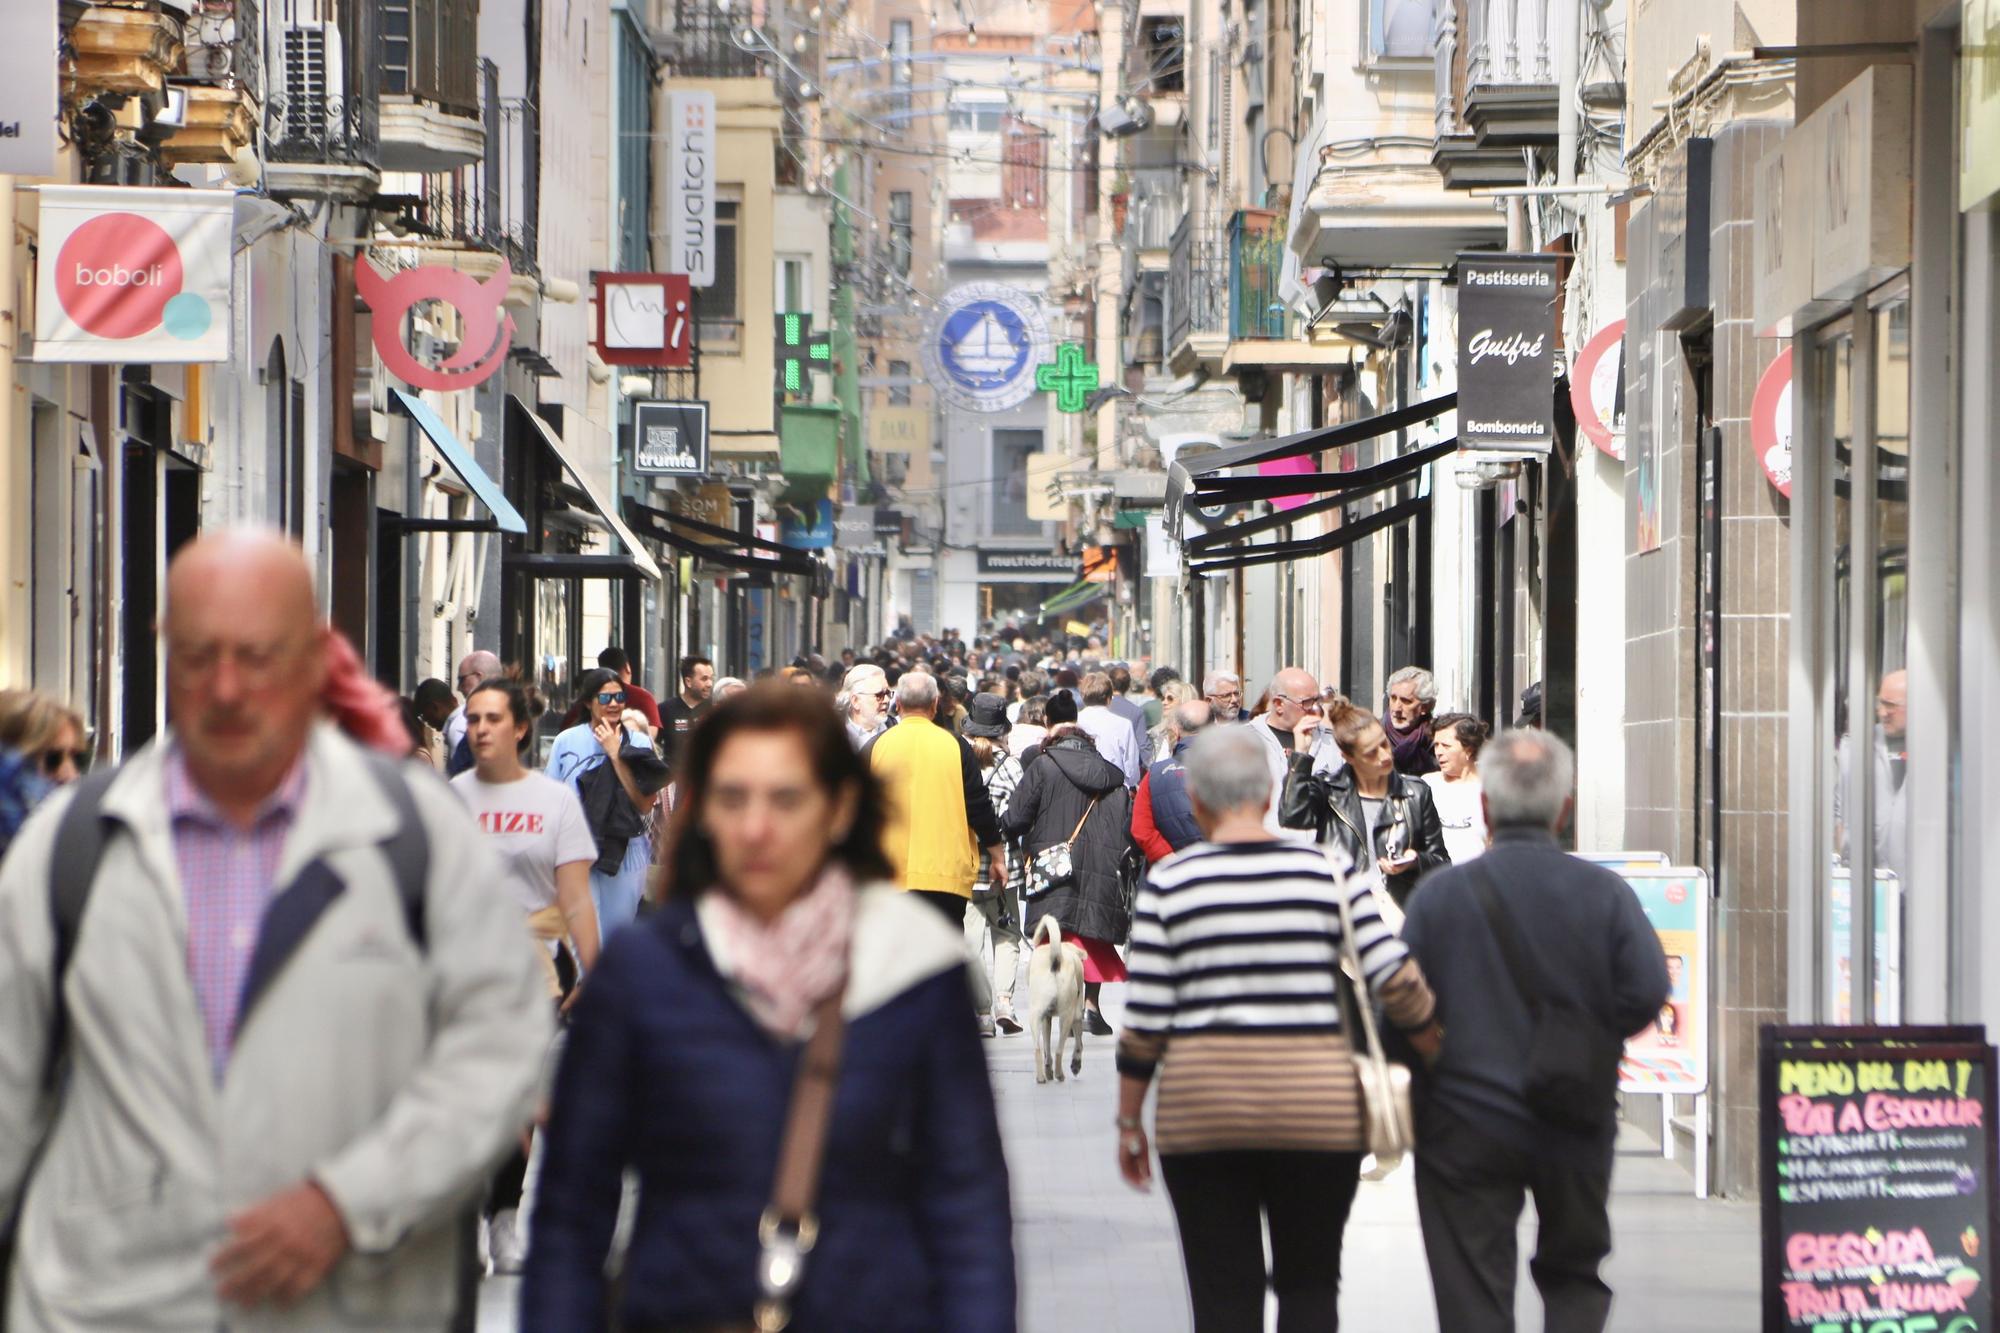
(1326, 543)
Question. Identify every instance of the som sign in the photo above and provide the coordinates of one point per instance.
(134, 275)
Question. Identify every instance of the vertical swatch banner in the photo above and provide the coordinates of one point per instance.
(134, 275)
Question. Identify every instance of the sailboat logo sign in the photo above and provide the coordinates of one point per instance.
(984, 348)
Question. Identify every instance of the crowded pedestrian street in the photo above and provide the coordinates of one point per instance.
(999, 666)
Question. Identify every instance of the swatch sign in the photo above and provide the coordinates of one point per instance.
(133, 275)
(1506, 352)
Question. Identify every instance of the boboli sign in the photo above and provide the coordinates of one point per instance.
(1506, 352)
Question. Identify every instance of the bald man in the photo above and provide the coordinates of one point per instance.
(299, 1026)
(473, 670)
(1293, 698)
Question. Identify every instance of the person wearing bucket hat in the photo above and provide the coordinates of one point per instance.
(994, 915)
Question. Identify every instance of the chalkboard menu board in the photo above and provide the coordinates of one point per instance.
(1878, 1179)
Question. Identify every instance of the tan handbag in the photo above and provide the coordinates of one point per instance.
(1387, 1115)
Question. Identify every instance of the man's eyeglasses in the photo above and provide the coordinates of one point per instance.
(52, 760)
(609, 699)
(1226, 696)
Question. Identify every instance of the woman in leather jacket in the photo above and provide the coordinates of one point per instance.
(1376, 814)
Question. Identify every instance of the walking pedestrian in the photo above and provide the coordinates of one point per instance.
(1030, 728)
(1293, 699)
(1162, 817)
(617, 776)
(1521, 938)
(435, 703)
(537, 826)
(688, 707)
(1122, 703)
(1071, 794)
(1411, 698)
(1156, 703)
(638, 699)
(1112, 734)
(940, 819)
(1236, 945)
(291, 1028)
(783, 956)
(1456, 739)
(994, 915)
(865, 695)
(473, 671)
(1385, 822)
(1224, 692)
(41, 749)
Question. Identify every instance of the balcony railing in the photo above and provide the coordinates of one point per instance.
(430, 51)
(1224, 279)
(1509, 42)
(225, 46)
(704, 45)
(320, 108)
(491, 204)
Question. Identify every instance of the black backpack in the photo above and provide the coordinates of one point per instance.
(79, 845)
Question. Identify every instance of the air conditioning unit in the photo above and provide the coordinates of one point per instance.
(212, 54)
(315, 80)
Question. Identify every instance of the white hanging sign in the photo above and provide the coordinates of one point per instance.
(691, 134)
(28, 101)
(133, 275)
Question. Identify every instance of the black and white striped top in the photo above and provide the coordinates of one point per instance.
(1244, 937)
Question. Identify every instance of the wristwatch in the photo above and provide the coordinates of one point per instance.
(1130, 1122)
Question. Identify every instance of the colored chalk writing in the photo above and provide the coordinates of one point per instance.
(1878, 1168)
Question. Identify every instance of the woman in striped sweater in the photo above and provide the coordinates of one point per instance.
(1235, 942)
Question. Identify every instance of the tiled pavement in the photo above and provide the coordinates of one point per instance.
(1093, 1254)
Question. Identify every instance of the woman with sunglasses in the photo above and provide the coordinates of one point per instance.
(41, 748)
(618, 776)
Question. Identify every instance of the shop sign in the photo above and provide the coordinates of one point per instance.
(1163, 553)
(1782, 212)
(815, 534)
(1025, 562)
(1771, 422)
(643, 319)
(1682, 200)
(1978, 103)
(983, 352)
(1597, 389)
(670, 439)
(134, 275)
(888, 523)
(1671, 1055)
(1041, 502)
(899, 430)
(1876, 1178)
(714, 505)
(854, 530)
(1862, 231)
(1100, 564)
(1506, 352)
(690, 186)
(485, 330)
(28, 62)
(1069, 377)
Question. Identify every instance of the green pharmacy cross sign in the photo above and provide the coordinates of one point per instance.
(800, 352)
(1069, 377)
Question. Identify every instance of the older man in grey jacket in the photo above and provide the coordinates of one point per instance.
(287, 1077)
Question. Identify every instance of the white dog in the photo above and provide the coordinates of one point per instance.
(1055, 996)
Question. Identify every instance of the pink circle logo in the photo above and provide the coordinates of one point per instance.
(116, 274)
(1677, 893)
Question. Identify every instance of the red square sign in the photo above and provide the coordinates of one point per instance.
(644, 319)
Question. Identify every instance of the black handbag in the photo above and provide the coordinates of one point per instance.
(1573, 1056)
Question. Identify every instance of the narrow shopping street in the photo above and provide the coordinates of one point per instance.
(1094, 1254)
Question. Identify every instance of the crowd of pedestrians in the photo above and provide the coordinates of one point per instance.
(297, 1063)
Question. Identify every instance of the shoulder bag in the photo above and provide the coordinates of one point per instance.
(1572, 1075)
(789, 1227)
(1055, 867)
(1388, 1119)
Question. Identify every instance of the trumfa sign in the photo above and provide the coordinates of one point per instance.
(1506, 352)
(691, 187)
(670, 439)
(133, 275)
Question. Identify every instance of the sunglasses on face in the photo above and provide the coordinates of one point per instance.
(609, 699)
(52, 760)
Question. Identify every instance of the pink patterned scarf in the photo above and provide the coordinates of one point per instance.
(788, 965)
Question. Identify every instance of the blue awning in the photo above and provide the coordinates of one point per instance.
(460, 460)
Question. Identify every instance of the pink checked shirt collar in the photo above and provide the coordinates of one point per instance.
(186, 800)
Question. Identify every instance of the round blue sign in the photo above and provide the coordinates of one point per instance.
(985, 346)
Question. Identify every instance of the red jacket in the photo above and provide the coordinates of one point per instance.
(1144, 832)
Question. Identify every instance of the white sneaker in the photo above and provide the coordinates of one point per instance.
(986, 1025)
(510, 1251)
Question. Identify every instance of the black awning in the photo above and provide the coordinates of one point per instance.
(652, 522)
(1354, 483)
(1181, 477)
(1324, 544)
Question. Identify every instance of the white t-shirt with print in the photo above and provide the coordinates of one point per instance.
(536, 824)
(1459, 812)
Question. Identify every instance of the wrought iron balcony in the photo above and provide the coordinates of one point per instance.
(485, 213)
(1197, 310)
(222, 78)
(1256, 263)
(703, 44)
(430, 84)
(322, 129)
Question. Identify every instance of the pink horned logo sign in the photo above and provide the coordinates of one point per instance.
(487, 331)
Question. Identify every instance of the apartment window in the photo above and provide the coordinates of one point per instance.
(794, 284)
(899, 384)
(901, 233)
(1163, 46)
(718, 317)
(1401, 29)
(900, 72)
(1011, 450)
(977, 117)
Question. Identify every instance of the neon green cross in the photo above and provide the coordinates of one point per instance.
(1069, 377)
(800, 351)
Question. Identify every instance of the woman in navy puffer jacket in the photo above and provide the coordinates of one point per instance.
(683, 1046)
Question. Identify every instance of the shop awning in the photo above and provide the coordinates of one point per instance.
(1196, 482)
(1079, 594)
(742, 551)
(606, 513)
(1347, 487)
(1345, 535)
(501, 516)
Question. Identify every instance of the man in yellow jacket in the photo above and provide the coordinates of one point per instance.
(937, 804)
